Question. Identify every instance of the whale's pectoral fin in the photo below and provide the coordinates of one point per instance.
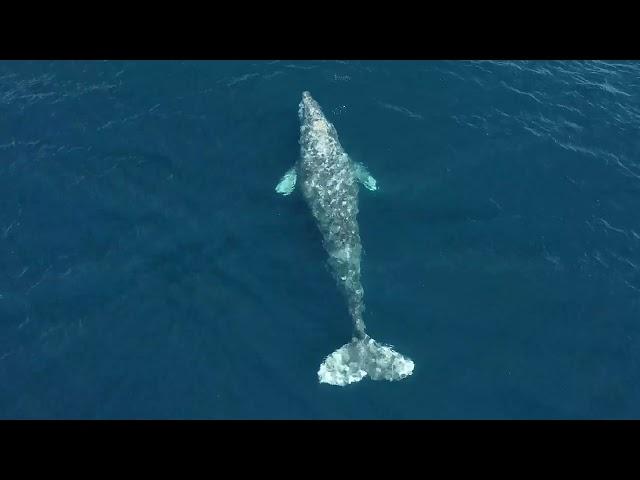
(364, 177)
(287, 183)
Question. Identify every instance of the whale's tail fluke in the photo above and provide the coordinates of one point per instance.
(361, 357)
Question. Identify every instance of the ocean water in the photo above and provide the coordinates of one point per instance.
(148, 269)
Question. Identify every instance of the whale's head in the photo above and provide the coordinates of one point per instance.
(308, 109)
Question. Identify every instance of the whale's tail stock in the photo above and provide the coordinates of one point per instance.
(361, 357)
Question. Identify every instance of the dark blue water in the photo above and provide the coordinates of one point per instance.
(149, 270)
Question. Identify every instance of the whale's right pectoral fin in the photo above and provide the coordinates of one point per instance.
(287, 183)
(364, 177)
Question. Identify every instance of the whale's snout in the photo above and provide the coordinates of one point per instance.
(307, 99)
(306, 105)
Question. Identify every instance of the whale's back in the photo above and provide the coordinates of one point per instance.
(331, 191)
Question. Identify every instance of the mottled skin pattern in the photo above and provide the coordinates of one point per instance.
(330, 188)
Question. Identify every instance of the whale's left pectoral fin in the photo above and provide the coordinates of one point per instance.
(287, 183)
(364, 177)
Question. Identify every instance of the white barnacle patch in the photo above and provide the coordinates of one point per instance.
(343, 254)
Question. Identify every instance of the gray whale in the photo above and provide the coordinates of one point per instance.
(329, 182)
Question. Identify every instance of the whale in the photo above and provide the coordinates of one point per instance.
(329, 181)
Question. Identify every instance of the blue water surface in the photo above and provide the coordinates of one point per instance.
(149, 270)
